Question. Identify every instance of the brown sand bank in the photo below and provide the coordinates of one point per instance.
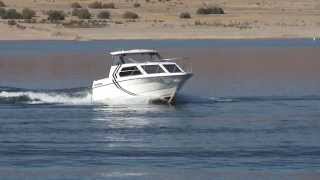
(247, 19)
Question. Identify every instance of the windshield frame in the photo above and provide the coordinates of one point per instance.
(134, 58)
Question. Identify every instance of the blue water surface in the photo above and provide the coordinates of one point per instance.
(60, 134)
(13, 47)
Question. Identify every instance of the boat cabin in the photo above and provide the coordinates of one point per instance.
(141, 62)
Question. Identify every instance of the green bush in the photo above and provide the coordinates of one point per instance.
(2, 12)
(28, 13)
(55, 15)
(75, 5)
(12, 14)
(130, 15)
(108, 6)
(95, 5)
(210, 10)
(185, 15)
(2, 4)
(104, 15)
(81, 13)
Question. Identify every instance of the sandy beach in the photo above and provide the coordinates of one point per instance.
(243, 19)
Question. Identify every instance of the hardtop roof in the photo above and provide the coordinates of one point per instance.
(133, 51)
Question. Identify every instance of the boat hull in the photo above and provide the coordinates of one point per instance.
(145, 89)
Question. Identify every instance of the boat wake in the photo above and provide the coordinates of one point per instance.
(82, 96)
(76, 96)
(251, 99)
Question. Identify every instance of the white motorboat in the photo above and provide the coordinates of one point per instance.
(142, 74)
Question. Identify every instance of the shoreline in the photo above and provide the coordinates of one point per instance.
(136, 31)
(166, 39)
(155, 36)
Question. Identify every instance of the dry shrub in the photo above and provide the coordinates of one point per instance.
(210, 10)
(28, 13)
(95, 5)
(75, 5)
(81, 13)
(136, 5)
(185, 15)
(99, 5)
(2, 4)
(108, 6)
(55, 15)
(104, 15)
(130, 15)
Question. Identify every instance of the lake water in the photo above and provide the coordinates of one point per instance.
(251, 111)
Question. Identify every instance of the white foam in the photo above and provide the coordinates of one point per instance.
(40, 97)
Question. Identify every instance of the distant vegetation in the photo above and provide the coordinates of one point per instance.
(2, 12)
(136, 5)
(108, 6)
(81, 13)
(210, 10)
(185, 15)
(55, 15)
(28, 13)
(2, 4)
(84, 13)
(130, 15)
(104, 15)
(95, 5)
(12, 14)
(100, 5)
(76, 5)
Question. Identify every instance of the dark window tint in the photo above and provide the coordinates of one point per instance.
(131, 68)
(129, 71)
(172, 68)
(152, 69)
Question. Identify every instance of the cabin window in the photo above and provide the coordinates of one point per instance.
(129, 71)
(152, 69)
(172, 68)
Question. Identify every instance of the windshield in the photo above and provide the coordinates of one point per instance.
(134, 58)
